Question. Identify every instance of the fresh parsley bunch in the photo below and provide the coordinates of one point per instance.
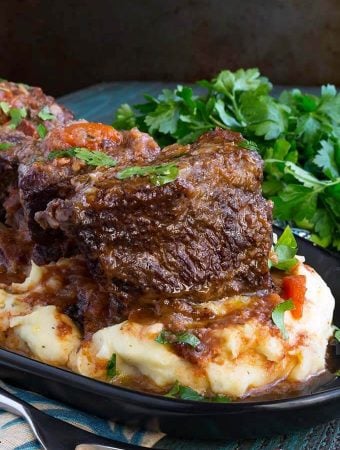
(298, 135)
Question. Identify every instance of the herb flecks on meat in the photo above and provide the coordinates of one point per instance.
(159, 175)
(205, 236)
(92, 158)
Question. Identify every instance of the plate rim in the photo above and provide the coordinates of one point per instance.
(61, 375)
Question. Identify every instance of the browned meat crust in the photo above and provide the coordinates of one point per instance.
(204, 236)
(9, 159)
(44, 181)
(33, 99)
(15, 255)
(19, 135)
(18, 141)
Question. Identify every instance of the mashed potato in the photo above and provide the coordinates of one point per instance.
(248, 357)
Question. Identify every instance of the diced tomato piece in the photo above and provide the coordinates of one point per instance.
(294, 288)
(83, 134)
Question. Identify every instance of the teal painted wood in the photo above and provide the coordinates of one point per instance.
(323, 437)
(98, 103)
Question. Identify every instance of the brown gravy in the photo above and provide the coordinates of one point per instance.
(177, 316)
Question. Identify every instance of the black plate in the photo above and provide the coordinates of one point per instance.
(186, 418)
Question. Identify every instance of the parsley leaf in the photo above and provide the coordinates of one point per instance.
(5, 146)
(249, 145)
(323, 228)
(45, 114)
(16, 115)
(300, 174)
(111, 370)
(188, 338)
(226, 118)
(173, 391)
(337, 333)
(264, 116)
(228, 82)
(91, 157)
(94, 157)
(278, 315)
(41, 130)
(296, 201)
(163, 337)
(163, 119)
(184, 393)
(68, 153)
(166, 337)
(325, 159)
(187, 393)
(159, 175)
(125, 117)
(5, 107)
(285, 250)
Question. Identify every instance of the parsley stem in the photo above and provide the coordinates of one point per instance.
(236, 109)
(217, 122)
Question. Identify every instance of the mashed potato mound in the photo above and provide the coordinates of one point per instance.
(248, 357)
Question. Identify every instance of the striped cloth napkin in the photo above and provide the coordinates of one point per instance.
(16, 435)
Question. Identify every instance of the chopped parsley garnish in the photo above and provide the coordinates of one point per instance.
(5, 146)
(184, 393)
(45, 114)
(297, 135)
(285, 250)
(41, 130)
(337, 333)
(249, 145)
(125, 117)
(159, 175)
(4, 106)
(111, 369)
(68, 153)
(187, 393)
(16, 115)
(279, 313)
(166, 337)
(91, 157)
(188, 338)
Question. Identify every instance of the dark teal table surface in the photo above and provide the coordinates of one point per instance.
(98, 103)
